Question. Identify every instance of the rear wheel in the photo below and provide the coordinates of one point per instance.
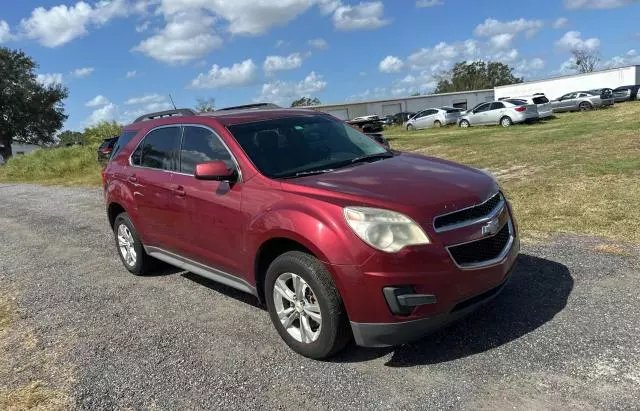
(464, 124)
(585, 106)
(437, 123)
(305, 306)
(130, 248)
(506, 121)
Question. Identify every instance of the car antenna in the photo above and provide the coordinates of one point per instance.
(172, 103)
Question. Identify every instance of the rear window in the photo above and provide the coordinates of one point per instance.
(517, 102)
(453, 110)
(122, 141)
(540, 100)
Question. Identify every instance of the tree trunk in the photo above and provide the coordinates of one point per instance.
(5, 148)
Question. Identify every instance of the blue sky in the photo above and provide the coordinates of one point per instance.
(121, 58)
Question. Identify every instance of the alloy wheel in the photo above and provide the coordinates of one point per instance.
(126, 245)
(297, 307)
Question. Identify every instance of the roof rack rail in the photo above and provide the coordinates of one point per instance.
(255, 106)
(166, 113)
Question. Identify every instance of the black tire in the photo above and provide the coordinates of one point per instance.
(584, 106)
(335, 332)
(143, 263)
(410, 127)
(506, 121)
(437, 124)
(464, 124)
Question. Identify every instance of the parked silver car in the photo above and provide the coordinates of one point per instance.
(580, 101)
(434, 117)
(542, 102)
(627, 93)
(505, 113)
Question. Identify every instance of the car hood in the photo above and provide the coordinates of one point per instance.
(426, 186)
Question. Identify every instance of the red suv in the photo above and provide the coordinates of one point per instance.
(341, 237)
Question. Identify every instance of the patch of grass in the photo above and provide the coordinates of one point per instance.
(578, 173)
(68, 166)
(34, 395)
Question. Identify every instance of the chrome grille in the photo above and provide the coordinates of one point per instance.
(483, 252)
(470, 215)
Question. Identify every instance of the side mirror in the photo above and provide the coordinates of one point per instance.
(215, 171)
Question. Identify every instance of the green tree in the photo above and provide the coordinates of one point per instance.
(477, 75)
(100, 131)
(205, 105)
(69, 138)
(305, 101)
(30, 112)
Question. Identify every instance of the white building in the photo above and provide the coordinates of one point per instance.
(558, 86)
(383, 108)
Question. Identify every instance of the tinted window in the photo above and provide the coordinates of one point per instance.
(122, 141)
(158, 149)
(200, 145)
(421, 114)
(540, 100)
(496, 106)
(517, 102)
(286, 146)
(482, 107)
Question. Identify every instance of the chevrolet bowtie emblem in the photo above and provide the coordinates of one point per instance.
(491, 228)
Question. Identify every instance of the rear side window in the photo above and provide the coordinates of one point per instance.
(158, 149)
(496, 106)
(122, 141)
(200, 145)
(540, 100)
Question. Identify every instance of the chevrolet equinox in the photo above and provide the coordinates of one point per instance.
(342, 238)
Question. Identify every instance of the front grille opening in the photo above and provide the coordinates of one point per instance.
(469, 214)
(480, 251)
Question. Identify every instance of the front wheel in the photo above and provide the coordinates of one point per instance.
(305, 306)
(584, 107)
(437, 124)
(505, 121)
(410, 127)
(464, 124)
(130, 248)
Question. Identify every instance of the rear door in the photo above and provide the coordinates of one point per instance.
(495, 112)
(153, 163)
(211, 229)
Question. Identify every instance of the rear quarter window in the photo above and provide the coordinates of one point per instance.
(540, 100)
(124, 139)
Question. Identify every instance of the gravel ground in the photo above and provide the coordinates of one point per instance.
(563, 334)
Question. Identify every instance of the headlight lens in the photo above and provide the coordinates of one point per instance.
(383, 229)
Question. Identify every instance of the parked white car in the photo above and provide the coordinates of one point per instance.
(504, 113)
(434, 117)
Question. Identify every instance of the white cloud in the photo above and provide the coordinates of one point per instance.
(507, 57)
(5, 32)
(319, 43)
(528, 68)
(240, 74)
(282, 63)
(61, 24)
(146, 99)
(501, 41)
(428, 3)
(187, 36)
(131, 74)
(363, 16)
(630, 58)
(98, 101)
(443, 54)
(493, 27)
(572, 40)
(560, 23)
(597, 4)
(283, 92)
(49, 79)
(281, 43)
(391, 64)
(567, 67)
(140, 28)
(107, 113)
(82, 72)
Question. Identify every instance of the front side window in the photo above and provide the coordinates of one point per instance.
(200, 145)
(293, 146)
(158, 149)
(482, 108)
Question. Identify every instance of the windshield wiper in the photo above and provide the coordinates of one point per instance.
(369, 157)
(308, 173)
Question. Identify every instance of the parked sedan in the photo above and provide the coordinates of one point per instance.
(434, 117)
(505, 113)
(542, 102)
(580, 101)
(626, 93)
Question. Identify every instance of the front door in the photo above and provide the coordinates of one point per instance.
(480, 114)
(212, 229)
(153, 164)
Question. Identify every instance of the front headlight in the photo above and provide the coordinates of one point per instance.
(383, 229)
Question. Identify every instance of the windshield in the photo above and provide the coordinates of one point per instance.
(287, 147)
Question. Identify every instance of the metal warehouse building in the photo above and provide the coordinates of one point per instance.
(558, 86)
(348, 111)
